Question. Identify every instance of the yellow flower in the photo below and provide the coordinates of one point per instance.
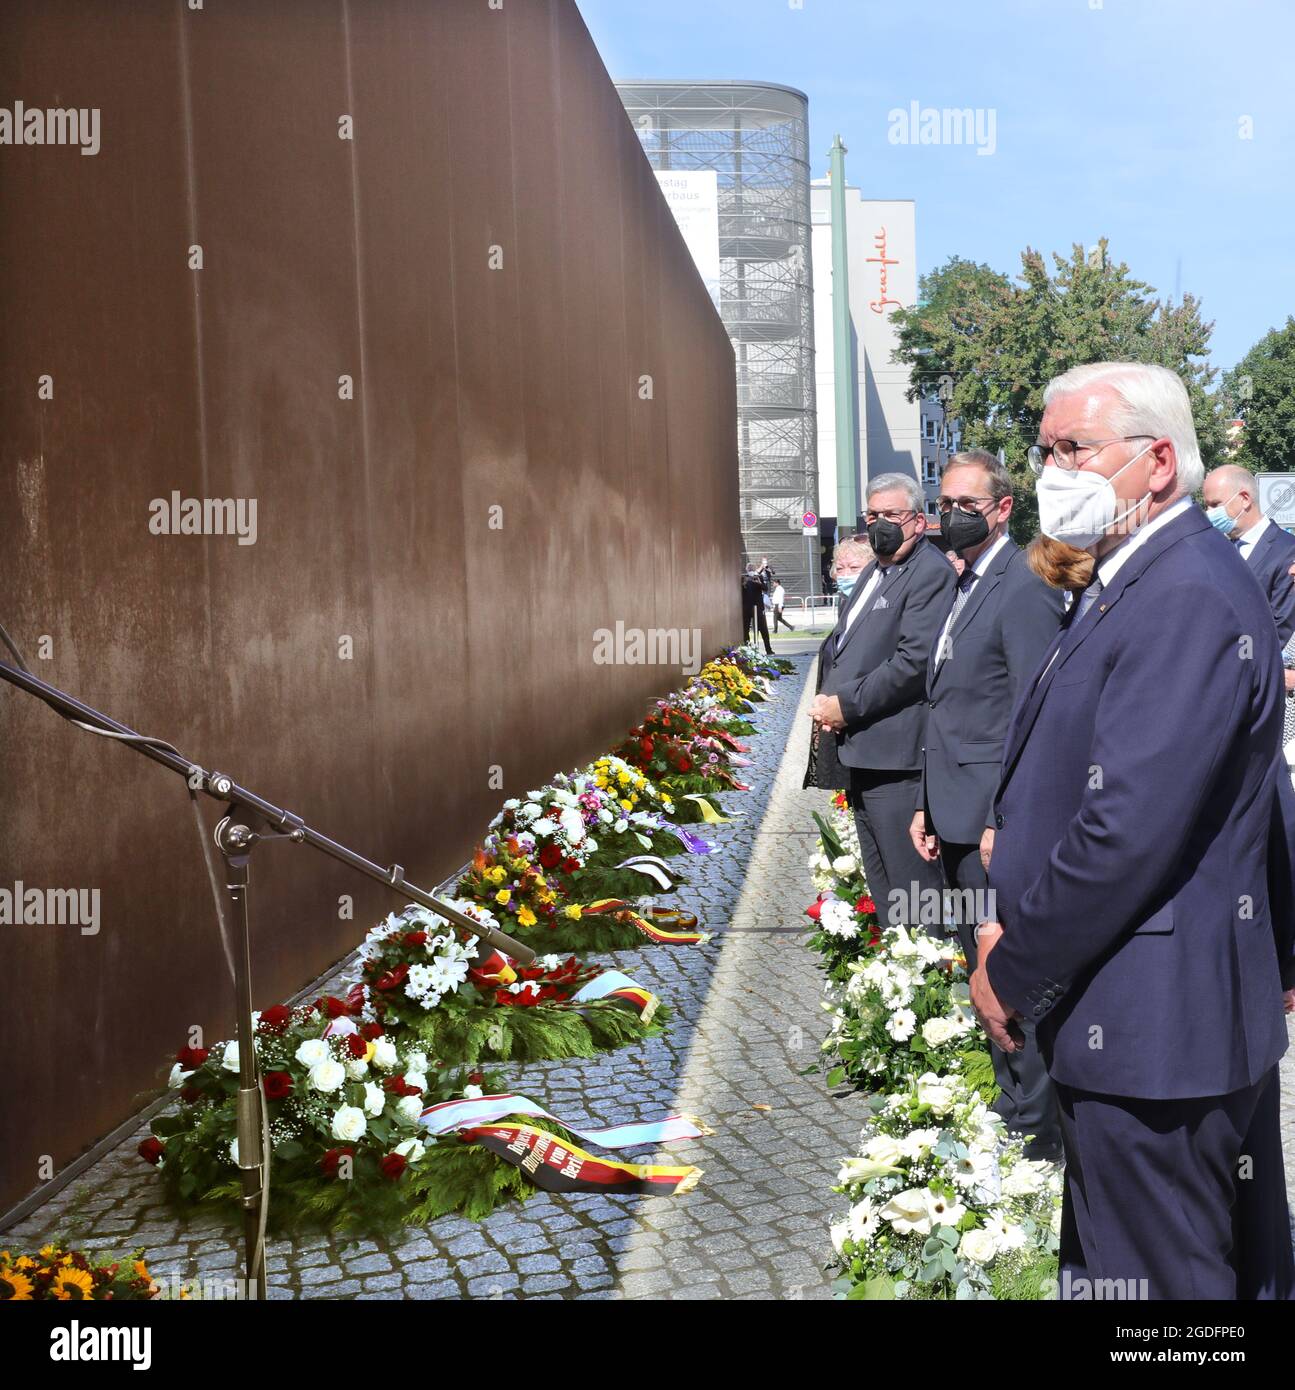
(526, 918)
(496, 875)
(24, 1262)
(49, 1252)
(141, 1271)
(503, 896)
(623, 778)
(575, 911)
(14, 1287)
(72, 1285)
(627, 805)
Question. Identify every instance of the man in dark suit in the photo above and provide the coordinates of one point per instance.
(1135, 821)
(873, 693)
(753, 615)
(1232, 497)
(998, 627)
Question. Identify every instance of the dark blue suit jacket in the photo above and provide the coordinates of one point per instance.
(1006, 624)
(878, 670)
(1270, 560)
(1136, 816)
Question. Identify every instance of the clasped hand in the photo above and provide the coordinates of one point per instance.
(826, 711)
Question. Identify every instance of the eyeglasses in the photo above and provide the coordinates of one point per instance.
(1065, 452)
(944, 505)
(898, 517)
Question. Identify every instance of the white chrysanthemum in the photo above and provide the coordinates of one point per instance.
(837, 919)
(546, 829)
(349, 1124)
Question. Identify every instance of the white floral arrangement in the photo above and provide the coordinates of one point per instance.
(943, 1204)
(903, 1008)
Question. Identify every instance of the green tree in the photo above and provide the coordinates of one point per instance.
(1261, 391)
(998, 344)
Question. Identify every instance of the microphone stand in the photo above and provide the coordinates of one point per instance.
(248, 820)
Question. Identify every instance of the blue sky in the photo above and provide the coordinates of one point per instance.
(1117, 118)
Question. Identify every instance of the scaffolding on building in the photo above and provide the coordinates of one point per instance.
(755, 138)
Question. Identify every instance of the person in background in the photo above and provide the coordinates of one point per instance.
(753, 616)
(779, 597)
(873, 694)
(998, 627)
(1231, 497)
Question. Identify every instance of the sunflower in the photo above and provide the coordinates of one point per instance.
(14, 1287)
(71, 1285)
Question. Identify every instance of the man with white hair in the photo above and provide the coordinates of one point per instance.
(1144, 902)
(1231, 496)
(873, 692)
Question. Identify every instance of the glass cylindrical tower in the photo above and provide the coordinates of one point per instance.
(756, 138)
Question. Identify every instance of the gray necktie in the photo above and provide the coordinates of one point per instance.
(1088, 598)
(959, 603)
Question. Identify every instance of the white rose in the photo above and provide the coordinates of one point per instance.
(349, 1124)
(936, 1031)
(472, 1093)
(230, 1060)
(374, 1098)
(327, 1075)
(416, 1078)
(312, 1052)
(977, 1247)
(883, 1149)
(932, 1091)
(412, 1149)
(410, 1107)
(909, 1212)
(384, 1054)
(844, 866)
(417, 1061)
(356, 1068)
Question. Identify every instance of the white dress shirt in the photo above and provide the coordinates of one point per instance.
(1247, 540)
(978, 569)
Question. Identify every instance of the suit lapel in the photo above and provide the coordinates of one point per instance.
(980, 591)
(1261, 544)
(887, 585)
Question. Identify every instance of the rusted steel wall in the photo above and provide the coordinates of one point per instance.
(381, 646)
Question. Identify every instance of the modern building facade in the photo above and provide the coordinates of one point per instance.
(881, 252)
(755, 139)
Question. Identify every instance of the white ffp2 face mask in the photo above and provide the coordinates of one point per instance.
(1078, 506)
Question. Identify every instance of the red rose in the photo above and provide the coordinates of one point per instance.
(684, 763)
(393, 1165)
(475, 1078)
(415, 938)
(275, 1019)
(190, 1057)
(332, 1159)
(370, 1031)
(151, 1150)
(333, 1007)
(190, 1095)
(550, 856)
(277, 1084)
(356, 1045)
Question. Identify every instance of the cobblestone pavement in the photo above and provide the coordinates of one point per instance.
(746, 1029)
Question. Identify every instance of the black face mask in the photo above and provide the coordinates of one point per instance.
(964, 529)
(885, 537)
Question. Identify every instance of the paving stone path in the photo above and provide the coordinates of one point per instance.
(747, 1025)
(745, 1035)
